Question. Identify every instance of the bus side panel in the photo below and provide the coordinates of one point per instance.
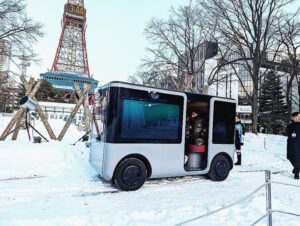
(166, 160)
(215, 149)
(96, 156)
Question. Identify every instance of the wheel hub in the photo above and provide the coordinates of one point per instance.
(221, 169)
(131, 175)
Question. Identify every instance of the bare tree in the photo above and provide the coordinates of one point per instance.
(176, 53)
(289, 34)
(18, 34)
(20, 31)
(152, 78)
(247, 28)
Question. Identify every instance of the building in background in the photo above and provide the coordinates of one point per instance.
(202, 53)
(8, 87)
(4, 57)
(227, 84)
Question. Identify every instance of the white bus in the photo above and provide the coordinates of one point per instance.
(142, 132)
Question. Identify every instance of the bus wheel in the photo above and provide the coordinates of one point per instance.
(130, 174)
(219, 168)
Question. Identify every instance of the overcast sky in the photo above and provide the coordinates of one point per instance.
(115, 38)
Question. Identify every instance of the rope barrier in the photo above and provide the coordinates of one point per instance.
(269, 212)
(292, 185)
(274, 211)
(288, 213)
(259, 219)
(226, 207)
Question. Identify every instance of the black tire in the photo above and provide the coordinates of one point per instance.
(219, 168)
(130, 174)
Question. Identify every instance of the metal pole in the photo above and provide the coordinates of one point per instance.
(82, 136)
(11, 132)
(28, 124)
(268, 196)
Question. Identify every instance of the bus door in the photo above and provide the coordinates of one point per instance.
(221, 127)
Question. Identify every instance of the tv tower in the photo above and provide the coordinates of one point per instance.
(71, 54)
(70, 65)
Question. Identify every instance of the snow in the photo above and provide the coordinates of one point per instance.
(53, 184)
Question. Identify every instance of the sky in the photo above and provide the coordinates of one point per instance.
(115, 34)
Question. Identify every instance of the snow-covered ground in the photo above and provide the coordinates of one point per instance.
(53, 184)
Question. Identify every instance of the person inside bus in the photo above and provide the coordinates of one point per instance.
(196, 130)
(188, 131)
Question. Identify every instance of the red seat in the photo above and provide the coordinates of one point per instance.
(196, 149)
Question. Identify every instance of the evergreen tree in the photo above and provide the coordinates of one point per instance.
(273, 112)
(47, 93)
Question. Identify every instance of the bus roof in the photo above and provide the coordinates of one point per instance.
(189, 94)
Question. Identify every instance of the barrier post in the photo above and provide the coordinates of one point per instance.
(265, 143)
(268, 196)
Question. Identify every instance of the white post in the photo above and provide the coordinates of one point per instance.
(268, 196)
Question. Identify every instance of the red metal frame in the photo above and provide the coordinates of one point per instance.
(71, 53)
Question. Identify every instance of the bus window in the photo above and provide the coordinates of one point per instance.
(150, 122)
(223, 125)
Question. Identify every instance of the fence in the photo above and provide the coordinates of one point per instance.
(6, 114)
(269, 211)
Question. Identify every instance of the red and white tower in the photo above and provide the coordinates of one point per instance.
(71, 54)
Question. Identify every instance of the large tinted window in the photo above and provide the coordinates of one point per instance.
(150, 121)
(223, 127)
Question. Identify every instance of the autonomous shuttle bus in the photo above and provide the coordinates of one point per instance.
(144, 132)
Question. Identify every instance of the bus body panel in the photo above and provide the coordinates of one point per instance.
(96, 155)
(166, 160)
(161, 167)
